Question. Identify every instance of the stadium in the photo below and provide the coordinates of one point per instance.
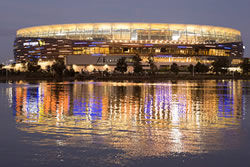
(91, 46)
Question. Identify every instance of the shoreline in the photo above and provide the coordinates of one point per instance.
(139, 78)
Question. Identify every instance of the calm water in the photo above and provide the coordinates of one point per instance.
(182, 123)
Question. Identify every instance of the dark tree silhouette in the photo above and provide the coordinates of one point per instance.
(58, 67)
(121, 65)
(191, 68)
(245, 66)
(137, 64)
(33, 67)
(201, 68)
(174, 68)
(151, 63)
(48, 68)
(220, 65)
(198, 67)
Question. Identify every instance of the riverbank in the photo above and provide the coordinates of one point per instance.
(159, 77)
(172, 77)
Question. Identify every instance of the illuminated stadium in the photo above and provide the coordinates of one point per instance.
(102, 44)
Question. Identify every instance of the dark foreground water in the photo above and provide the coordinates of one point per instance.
(182, 123)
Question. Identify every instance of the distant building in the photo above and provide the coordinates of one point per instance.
(100, 45)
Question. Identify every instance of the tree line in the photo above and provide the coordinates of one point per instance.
(219, 66)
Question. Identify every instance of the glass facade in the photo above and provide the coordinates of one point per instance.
(167, 42)
(135, 31)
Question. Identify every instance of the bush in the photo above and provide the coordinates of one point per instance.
(220, 65)
(121, 65)
(174, 68)
(58, 67)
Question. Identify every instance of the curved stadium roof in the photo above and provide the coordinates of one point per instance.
(134, 31)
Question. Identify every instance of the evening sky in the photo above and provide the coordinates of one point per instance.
(16, 14)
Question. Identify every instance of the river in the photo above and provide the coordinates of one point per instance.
(172, 123)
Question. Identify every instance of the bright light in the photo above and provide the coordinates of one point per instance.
(234, 69)
(30, 44)
(176, 37)
(60, 34)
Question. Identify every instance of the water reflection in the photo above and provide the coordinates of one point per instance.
(141, 119)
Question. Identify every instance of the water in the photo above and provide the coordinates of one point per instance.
(181, 123)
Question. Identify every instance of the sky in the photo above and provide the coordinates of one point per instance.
(16, 14)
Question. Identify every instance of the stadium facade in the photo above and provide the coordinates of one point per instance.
(100, 45)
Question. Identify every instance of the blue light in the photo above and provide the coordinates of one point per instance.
(80, 43)
(96, 55)
(92, 45)
(91, 107)
(14, 100)
(97, 42)
(32, 102)
(221, 45)
(148, 109)
(181, 47)
(227, 48)
(163, 56)
(226, 101)
(148, 45)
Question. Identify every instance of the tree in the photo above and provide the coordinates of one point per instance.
(245, 66)
(106, 72)
(23, 65)
(33, 67)
(13, 65)
(137, 64)
(174, 68)
(198, 67)
(220, 65)
(191, 68)
(151, 63)
(121, 65)
(58, 67)
(48, 68)
(201, 68)
(204, 68)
